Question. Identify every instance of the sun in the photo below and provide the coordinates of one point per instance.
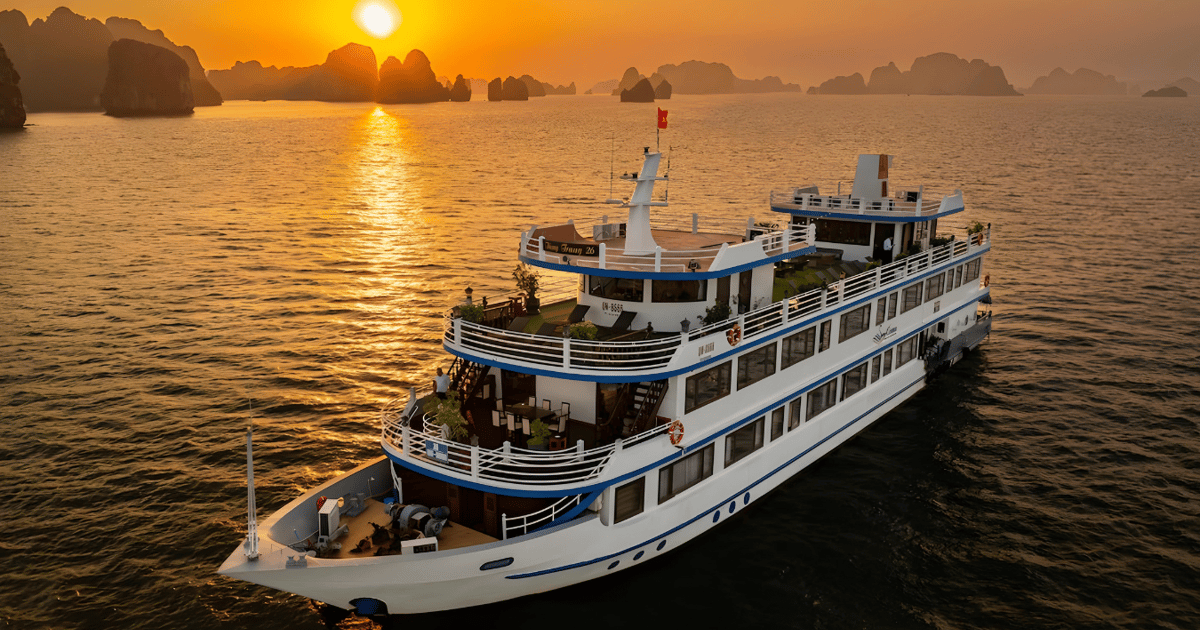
(379, 18)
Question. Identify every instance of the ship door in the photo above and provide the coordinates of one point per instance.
(744, 285)
(723, 290)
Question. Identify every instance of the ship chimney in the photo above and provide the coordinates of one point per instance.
(871, 178)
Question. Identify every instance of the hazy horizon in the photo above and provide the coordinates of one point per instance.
(588, 41)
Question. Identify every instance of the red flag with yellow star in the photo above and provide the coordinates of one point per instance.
(662, 118)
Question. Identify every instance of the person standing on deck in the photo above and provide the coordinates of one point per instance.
(887, 250)
(441, 384)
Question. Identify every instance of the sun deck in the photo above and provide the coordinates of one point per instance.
(679, 249)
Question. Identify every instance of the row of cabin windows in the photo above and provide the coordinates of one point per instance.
(714, 383)
(673, 479)
(633, 289)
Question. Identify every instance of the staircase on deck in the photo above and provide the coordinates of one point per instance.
(635, 410)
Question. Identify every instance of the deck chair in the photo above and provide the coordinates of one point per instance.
(546, 404)
(623, 322)
(511, 420)
(546, 329)
(495, 418)
(519, 323)
(564, 412)
(577, 313)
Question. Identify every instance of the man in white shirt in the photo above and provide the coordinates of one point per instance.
(887, 250)
(441, 384)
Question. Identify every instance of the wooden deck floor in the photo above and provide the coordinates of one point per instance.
(453, 536)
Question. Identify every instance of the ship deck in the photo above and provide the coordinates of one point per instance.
(453, 536)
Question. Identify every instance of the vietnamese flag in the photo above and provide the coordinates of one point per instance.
(662, 118)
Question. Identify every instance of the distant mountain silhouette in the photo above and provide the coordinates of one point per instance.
(411, 82)
(698, 77)
(1082, 81)
(496, 90)
(12, 106)
(63, 59)
(533, 86)
(604, 87)
(1173, 90)
(146, 80)
(461, 90)
(662, 88)
(852, 84)
(1187, 84)
(203, 91)
(939, 73)
(349, 74)
(562, 90)
(641, 92)
(513, 90)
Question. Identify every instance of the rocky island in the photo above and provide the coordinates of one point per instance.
(412, 81)
(12, 108)
(1169, 91)
(936, 74)
(1082, 81)
(146, 80)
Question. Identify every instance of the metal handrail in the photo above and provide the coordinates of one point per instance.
(852, 205)
(530, 522)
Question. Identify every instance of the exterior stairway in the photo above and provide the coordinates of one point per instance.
(466, 378)
(636, 410)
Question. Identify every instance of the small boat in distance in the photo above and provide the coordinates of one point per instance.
(579, 435)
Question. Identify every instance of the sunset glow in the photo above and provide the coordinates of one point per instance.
(379, 18)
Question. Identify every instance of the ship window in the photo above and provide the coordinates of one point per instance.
(958, 274)
(629, 500)
(744, 441)
(880, 311)
(707, 386)
(776, 424)
(887, 362)
(679, 291)
(854, 322)
(685, 473)
(972, 271)
(854, 380)
(875, 368)
(893, 299)
(846, 232)
(933, 286)
(826, 331)
(794, 416)
(912, 297)
(756, 365)
(822, 398)
(799, 347)
(623, 289)
(906, 351)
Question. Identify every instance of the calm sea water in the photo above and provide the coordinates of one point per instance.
(161, 277)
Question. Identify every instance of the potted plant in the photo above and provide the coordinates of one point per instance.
(527, 283)
(583, 330)
(471, 312)
(718, 312)
(539, 433)
(445, 413)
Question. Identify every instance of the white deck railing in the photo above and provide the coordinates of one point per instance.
(766, 242)
(521, 525)
(607, 357)
(845, 204)
(505, 464)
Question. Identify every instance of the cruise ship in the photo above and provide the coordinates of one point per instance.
(693, 366)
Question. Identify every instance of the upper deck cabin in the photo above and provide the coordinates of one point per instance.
(856, 225)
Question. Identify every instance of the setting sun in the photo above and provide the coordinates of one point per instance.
(379, 18)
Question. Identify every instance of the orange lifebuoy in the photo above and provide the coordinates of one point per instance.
(320, 502)
(987, 280)
(734, 335)
(675, 431)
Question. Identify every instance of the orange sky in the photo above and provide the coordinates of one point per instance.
(586, 41)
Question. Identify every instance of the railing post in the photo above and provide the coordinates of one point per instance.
(617, 445)
(658, 258)
(406, 440)
(504, 526)
(458, 331)
(920, 198)
(695, 223)
(566, 361)
(879, 276)
(787, 238)
(602, 254)
(749, 226)
(807, 198)
(784, 305)
(506, 451)
(542, 248)
(742, 325)
(824, 292)
(475, 461)
(579, 450)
